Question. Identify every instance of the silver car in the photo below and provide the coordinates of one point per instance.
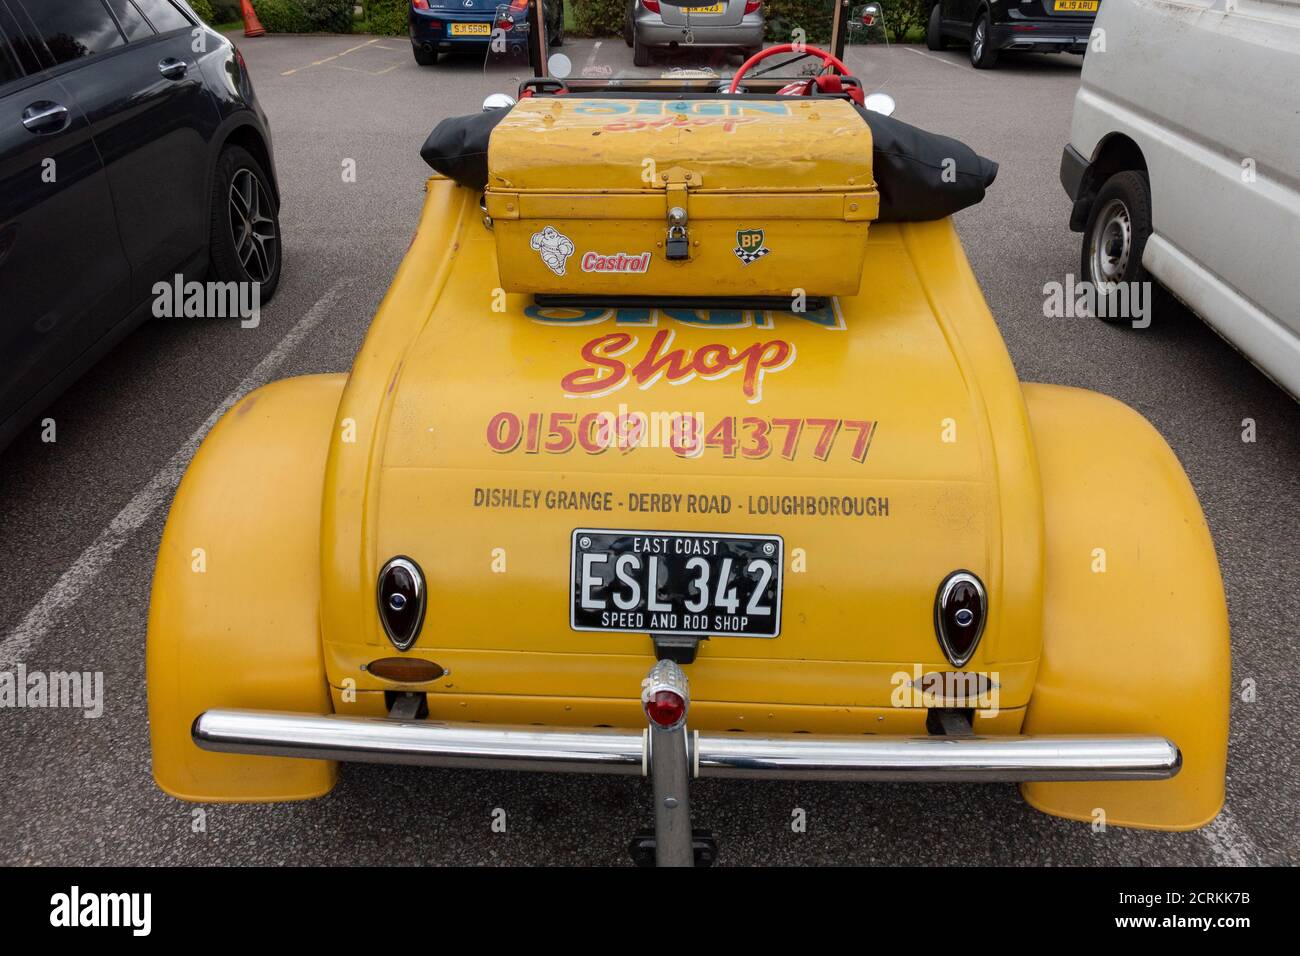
(723, 23)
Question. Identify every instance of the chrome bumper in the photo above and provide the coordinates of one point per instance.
(599, 750)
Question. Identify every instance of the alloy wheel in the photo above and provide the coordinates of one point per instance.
(251, 229)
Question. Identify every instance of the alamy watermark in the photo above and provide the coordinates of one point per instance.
(69, 690)
(178, 299)
(1073, 299)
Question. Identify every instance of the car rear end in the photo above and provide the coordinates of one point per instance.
(466, 26)
(726, 23)
(1046, 26)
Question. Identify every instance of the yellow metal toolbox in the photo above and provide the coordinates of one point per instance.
(739, 198)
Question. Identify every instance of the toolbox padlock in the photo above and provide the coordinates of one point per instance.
(677, 247)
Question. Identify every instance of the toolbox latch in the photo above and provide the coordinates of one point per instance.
(678, 244)
(676, 183)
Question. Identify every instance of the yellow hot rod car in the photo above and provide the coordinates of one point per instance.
(683, 445)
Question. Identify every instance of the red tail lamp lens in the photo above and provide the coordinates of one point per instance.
(651, 5)
(420, 4)
(751, 6)
(666, 708)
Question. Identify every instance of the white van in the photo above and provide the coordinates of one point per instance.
(1184, 164)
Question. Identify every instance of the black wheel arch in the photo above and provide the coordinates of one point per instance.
(1116, 153)
(248, 136)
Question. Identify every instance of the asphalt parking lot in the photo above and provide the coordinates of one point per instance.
(80, 518)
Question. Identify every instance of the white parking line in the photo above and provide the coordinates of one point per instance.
(1229, 843)
(67, 590)
(591, 59)
(946, 62)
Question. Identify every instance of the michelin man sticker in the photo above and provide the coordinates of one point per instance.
(555, 248)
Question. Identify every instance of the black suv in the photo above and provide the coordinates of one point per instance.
(992, 26)
(132, 150)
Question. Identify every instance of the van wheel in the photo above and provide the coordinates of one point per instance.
(640, 53)
(244, 231)
(425, 57)
(983, 55)
(934, 38)
(1118, 227)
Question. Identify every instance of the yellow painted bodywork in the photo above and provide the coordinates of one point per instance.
(976, 472)
(603, 174)
(1135, 625)
(233, 617)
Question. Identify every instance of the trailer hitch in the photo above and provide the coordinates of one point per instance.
(666, 697)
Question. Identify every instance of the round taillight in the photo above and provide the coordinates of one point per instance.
(960, 610)
(666, 708)
(401, 599)
(666, 695)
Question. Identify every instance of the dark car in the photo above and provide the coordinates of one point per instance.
(990, 27)
(132, 150)
(466, 26)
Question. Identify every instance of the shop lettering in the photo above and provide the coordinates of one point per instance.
(613, 360)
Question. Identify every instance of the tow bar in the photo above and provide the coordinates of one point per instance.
(666, 697)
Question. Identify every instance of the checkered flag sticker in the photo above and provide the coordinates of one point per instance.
(750, 255)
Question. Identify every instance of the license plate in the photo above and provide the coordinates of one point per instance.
(676, 582)
(471, 29)
(712, 8)
(1075, 6)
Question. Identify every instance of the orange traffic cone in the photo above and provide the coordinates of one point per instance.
(252, 26)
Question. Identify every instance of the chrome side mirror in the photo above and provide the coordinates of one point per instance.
(881, 103)
(498, 101)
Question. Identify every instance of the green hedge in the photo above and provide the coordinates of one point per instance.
(598, 18)
(784, 16)
(204, 10)
(225, 11)
(386, 17)
(305, 16)
(902, 16)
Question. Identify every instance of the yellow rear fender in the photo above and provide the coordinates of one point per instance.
(234, 615)
(1135, 623)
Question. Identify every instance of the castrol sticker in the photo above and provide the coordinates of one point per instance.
(616, 262)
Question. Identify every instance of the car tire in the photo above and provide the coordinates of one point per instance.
(1115, 236)
(983, 54)
(557, 37)
(244, 208)
(628, 29)
(425, 57)
(640, 53)
(934, 38)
